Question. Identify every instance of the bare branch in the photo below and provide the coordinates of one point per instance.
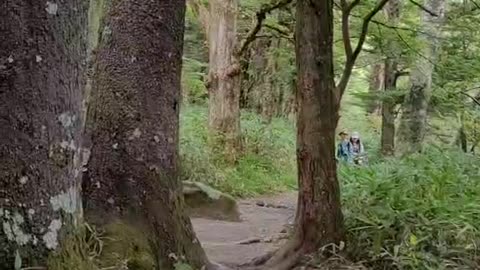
(350, 62)
(433, 14)
(471, 97)
(260, 17)
(282, 33)
(346, 9)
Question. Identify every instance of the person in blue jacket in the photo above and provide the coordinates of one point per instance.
(344, 148)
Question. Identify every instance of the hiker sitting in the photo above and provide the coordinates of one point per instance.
(344, 148)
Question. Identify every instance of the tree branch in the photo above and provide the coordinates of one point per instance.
(471, 97)
(261, 15)
(433, 14)
(350, 61)
(346, 9)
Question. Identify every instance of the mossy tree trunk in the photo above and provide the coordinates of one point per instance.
(415, 113)
(42, 55)
(392, 12)
(133, 123)
(224, 78)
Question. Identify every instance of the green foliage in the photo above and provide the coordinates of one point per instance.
(193, 74)
(267, 165)
(416, 213)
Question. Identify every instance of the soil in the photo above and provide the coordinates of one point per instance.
(264, 225)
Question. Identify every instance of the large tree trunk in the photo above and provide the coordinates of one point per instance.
(319, 217)
(415, 113)
(224, 78)
(392, 10)
(42, 56)
(133, 117)
(376, 85)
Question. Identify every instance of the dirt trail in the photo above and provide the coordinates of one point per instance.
(262, 229)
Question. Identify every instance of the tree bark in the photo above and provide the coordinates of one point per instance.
(376, 86)
(133, 123)
(319, 220)
(42, 55)
(388, 109)
(392, 10)
(415, 113)
(224, 78)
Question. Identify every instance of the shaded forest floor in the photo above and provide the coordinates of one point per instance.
(263, 228)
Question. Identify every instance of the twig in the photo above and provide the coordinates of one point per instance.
(471, 97)
(433, 14)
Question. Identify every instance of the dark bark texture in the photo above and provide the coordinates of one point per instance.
(42, 56)
(133, 122)
(319, 219)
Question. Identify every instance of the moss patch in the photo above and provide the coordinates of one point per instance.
(125, 246)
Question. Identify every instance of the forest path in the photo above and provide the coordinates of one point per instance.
(261, 229)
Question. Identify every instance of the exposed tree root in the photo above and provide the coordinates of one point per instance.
(283, 259)
(286, 257)
(261, 260)
(216, 266)
(271, 205)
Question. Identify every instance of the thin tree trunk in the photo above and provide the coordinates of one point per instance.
(376, 86)
(259, 74)
(388, 110)
(270, 91)
(132, 175)
(319, 217)
(392, 10)
(224, 78)
(415, 113)
(42, 55)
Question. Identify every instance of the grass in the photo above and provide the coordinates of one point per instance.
(268, 163)
(416, 213)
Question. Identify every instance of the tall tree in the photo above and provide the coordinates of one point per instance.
(414, 117)
(133, 122)
(392, 12)
(319, 219)
(42, 51)
(225, 69)
(224, 79)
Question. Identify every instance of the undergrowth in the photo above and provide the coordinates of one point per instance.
(419, 212)
(266, 166)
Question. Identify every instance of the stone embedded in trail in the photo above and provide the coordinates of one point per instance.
(206, 202)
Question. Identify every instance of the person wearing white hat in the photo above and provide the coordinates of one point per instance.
(356, 143)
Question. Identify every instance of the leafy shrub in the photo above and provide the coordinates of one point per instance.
(266, 166)
(417, 213)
